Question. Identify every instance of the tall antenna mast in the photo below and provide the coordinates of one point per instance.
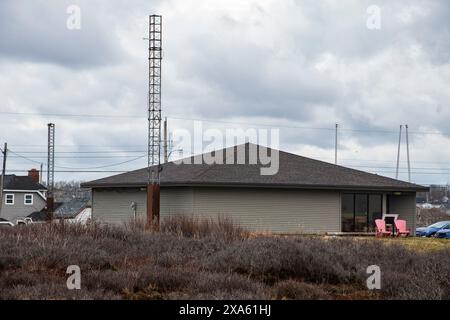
(336, 144)
(407, 153)
(50, 170)
(154, 117)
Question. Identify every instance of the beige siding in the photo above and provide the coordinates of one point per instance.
(405, 207)
(114, 205)
(177, 201)
(273, 210)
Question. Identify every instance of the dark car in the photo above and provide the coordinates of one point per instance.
(432, 229)
(444, 233)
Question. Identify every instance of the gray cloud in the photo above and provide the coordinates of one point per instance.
(304, 63)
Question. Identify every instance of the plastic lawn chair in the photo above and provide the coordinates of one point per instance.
(401, 228)
(381, 228)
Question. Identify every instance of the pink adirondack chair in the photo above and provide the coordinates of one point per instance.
(381, 228)
(401, 228)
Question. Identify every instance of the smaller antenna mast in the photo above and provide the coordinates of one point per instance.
(50, 170)
(336, 144)
(398, 152)
(407, 153)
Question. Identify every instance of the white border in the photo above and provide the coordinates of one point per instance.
(39, 192)
(25, 199)
(390, 215)
(6, 199)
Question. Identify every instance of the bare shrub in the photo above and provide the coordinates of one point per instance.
(163, 279)
(273, 259)
(196, 227)
(136, 225)
(426, 278)
(206, 282)
(291, 289)
(425, 217)
(108, 280)
(148, 293)
(208, 260)
(52, 291)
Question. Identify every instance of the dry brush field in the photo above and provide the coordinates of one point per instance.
(188, 259)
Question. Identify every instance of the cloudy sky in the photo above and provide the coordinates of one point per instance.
(300, 66)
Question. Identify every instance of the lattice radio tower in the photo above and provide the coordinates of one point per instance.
(154, 117)
(50, 169)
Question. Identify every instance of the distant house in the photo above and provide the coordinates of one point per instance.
(304, 196)
(76, 210)
(22, 195)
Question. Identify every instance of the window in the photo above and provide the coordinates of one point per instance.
(9, 199)
(375, 210)
(348, 208)
(359, 211)
(28, 199)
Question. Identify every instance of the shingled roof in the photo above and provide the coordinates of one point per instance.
(25, 183)
(70, 209)
(294, 172)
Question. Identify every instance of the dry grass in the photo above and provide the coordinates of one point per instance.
(421, 244)
(193, 259)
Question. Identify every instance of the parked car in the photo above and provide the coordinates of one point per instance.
(444, 233)
(5, 223)
(24, 221)
(432, 229)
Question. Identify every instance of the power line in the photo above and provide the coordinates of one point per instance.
(133, 151)
(112, 171)
(74, 171)
(391, 161)
(386, 167)
(69, 152)
(81, 145)
(105, 166)
(79, 157)
(218, 121)
(392, 172)
(75, 115)
(134, 159)
(23, 157)
(83, 168)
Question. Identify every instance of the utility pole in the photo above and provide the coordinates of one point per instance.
(41, 173)
(2, 180)
(50, 170)
(154, 119)
(336, 144)
(166, 157)
(407, 153)
(398, 152)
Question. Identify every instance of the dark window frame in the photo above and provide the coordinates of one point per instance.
(368, 194)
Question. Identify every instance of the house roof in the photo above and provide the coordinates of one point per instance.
(72, 208)
(25, 183)
(43, 215)
(294, 172)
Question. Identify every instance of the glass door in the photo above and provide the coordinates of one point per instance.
(361, 207)
(347, 212)
(375, 210)
(359, 211)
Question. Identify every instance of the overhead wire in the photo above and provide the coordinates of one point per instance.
(122, 153)
(79, 168)
(175, 117)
